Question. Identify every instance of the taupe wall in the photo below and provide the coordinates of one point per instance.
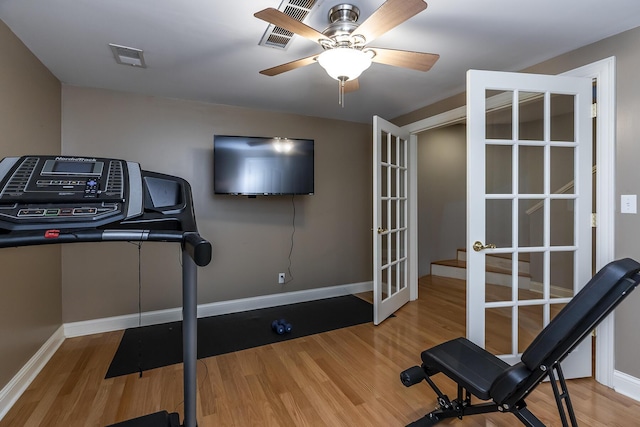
(251, 237)
(626, 49)
(30, 309)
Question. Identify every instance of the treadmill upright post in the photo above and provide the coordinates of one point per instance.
(189, 336)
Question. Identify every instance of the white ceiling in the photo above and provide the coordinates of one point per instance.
(208, 50)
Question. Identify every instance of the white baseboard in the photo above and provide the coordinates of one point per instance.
(19, 383)
(626, 384)
(88, 327)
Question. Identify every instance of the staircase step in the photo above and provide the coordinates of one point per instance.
(502, 261)
(457, 269)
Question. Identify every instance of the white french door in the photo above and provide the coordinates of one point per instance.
(392, 273)
(529, 167)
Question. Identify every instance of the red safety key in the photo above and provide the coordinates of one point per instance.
(51, 234)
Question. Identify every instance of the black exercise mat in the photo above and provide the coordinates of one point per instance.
(150, 347)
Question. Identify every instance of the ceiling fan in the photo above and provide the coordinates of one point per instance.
(346, 43)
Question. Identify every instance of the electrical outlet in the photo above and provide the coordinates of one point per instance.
(281, 277)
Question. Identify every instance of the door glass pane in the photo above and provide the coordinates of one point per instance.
(384, 183)
(403, 183)
(498, 223)
(562, 118)
(384, 211)
(394, 150)
(394, 280)
(499, 281)
(562, 170)
(402, 245)
(531, 116)
(393, 238)
(498, 330)
(386, 283)
(530, 222)
(402, 214)
(384, 251)
(499, 119)
(531, 170)
(394, 181)
(384, 147)
(531, 267)
(561, 274)
(562, 217)
(402, 275)
(499, 169)
(402, 153)
(498, 293)
(530, 323)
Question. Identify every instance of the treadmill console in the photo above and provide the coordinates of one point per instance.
(67, 192)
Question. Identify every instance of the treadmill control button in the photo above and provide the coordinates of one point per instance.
(85, 211)
(31, 212)
(91, 188)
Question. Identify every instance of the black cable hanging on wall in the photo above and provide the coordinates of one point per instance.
(293, 232)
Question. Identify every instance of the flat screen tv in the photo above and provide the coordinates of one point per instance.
(252, 166)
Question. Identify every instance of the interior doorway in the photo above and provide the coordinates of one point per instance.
(441, 194)
(602, 72)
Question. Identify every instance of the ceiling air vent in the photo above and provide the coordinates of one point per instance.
(128, 55)
(279, 38)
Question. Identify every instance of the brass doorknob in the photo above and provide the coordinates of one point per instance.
(478, 246)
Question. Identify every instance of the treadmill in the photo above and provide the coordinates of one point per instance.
(68, 199)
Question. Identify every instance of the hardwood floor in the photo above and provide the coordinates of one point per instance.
(347, 377)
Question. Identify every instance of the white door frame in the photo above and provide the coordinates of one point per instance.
(604, 73)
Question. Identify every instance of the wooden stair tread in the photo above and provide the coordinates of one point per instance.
(521, 257)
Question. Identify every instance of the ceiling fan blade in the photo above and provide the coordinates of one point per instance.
(391, 14)
(279, 19)
(404, 58)
(351, 86)
(274, 71)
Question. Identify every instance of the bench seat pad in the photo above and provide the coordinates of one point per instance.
(467, 364)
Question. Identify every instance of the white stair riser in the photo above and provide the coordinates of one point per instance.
(448, 271)
(498, 262)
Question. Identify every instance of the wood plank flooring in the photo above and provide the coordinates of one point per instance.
(348, 377)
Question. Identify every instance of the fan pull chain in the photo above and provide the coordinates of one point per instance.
(341, 91)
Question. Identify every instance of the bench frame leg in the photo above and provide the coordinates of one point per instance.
(462, 406)
(561, 394)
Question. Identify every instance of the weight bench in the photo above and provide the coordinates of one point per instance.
(504, 388)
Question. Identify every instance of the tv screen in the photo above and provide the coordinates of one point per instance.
(252, 166)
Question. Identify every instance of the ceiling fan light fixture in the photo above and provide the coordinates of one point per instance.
(344, 63)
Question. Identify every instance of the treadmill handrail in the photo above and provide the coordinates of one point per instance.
(198, 248)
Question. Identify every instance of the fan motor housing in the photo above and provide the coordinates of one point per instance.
(344, 12)
(343, 19)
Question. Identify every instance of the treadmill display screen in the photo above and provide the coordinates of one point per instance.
(76, 166)
(73, 167)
